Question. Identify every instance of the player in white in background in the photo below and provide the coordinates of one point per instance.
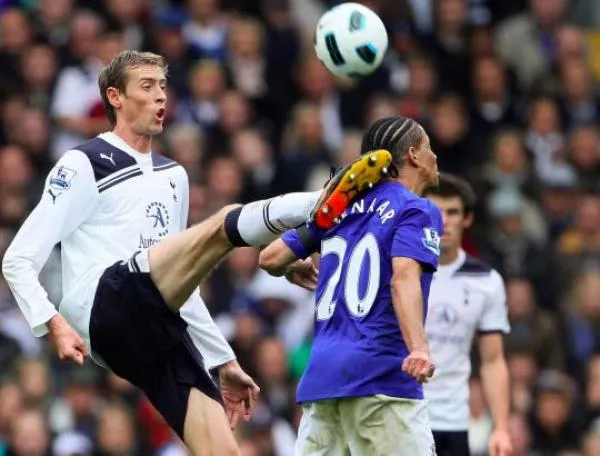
(467, 297)
(111, 198)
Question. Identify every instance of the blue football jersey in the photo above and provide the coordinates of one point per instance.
(358, 347)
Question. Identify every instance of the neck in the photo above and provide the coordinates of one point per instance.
(448, 256)
(412, 181)
(141, 143)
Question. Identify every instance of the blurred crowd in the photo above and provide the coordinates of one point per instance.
(507, 90)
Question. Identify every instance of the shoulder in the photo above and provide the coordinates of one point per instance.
(107, 160)
(423, 208)
(475, 267)
(162, 163)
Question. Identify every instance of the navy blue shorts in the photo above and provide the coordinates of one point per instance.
(141, 340)
(451, 443)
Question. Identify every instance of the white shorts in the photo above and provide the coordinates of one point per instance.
(365, 426)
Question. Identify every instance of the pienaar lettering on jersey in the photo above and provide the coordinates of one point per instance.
(431, 239)
(159, 220)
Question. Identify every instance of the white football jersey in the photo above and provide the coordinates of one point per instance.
(466, 297)
(103, 201)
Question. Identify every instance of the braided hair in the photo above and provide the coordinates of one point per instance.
(394, 134)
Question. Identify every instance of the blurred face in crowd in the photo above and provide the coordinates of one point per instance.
(207, 81)
(587, 289)
(584, 148)
(39, 66)
(591, 444)
(234, 111)
(593, 383)
(576, 80)
(449, 121)
(452, 14)
(552, 411)
(11, 404)
(548, 12)
(519, 298)
(224, 179)
(54, 12)
(522, 369)
(142, 105)
(202, 10)
(251, 150)
(125, 11)
(15, 170)
(314, 79)
(588, 214)
(15, 32)
(570, 42)
(85, 33)
(109, 46)
(308, 126)
(29, 434)
(455, 222)
(490, 80)
(509, 153)
(186, 146)
(544, 117)
(422, 79)
(246, 39)
(272, 359)
(34, 379)
(116, 435)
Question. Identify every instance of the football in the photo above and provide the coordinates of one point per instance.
(350, 40)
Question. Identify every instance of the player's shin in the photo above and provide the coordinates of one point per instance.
(261, 222)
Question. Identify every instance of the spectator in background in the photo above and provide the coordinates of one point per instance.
(584, 153)
(206, 29)
(492, 108)
(525, 41)
(81, 117)
(206, 84)
(533, 328)
(29, 434)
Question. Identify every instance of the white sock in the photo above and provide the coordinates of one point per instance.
(261, 222)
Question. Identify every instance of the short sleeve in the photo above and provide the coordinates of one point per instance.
(417, 236)
(495, 314)
(303, 241)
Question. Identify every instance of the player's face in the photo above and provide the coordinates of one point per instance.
(143, 104)
(454, 219)
(428, 161)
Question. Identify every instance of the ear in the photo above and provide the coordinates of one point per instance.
(468, 221)
(412, 156)
(114, 97)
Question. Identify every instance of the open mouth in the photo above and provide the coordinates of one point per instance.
(160, 114)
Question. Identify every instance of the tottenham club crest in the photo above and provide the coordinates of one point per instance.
(158, 215)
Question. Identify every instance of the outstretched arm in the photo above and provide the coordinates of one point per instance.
(276, 258)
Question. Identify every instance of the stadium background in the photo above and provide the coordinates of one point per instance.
(507, 91)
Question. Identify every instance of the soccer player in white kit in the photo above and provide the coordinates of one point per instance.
(467, 297)
(131, 270)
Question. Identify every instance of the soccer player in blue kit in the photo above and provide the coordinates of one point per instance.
(361, 392)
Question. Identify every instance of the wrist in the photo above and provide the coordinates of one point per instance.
(501, 427)
(56, 322)
(233, 364)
